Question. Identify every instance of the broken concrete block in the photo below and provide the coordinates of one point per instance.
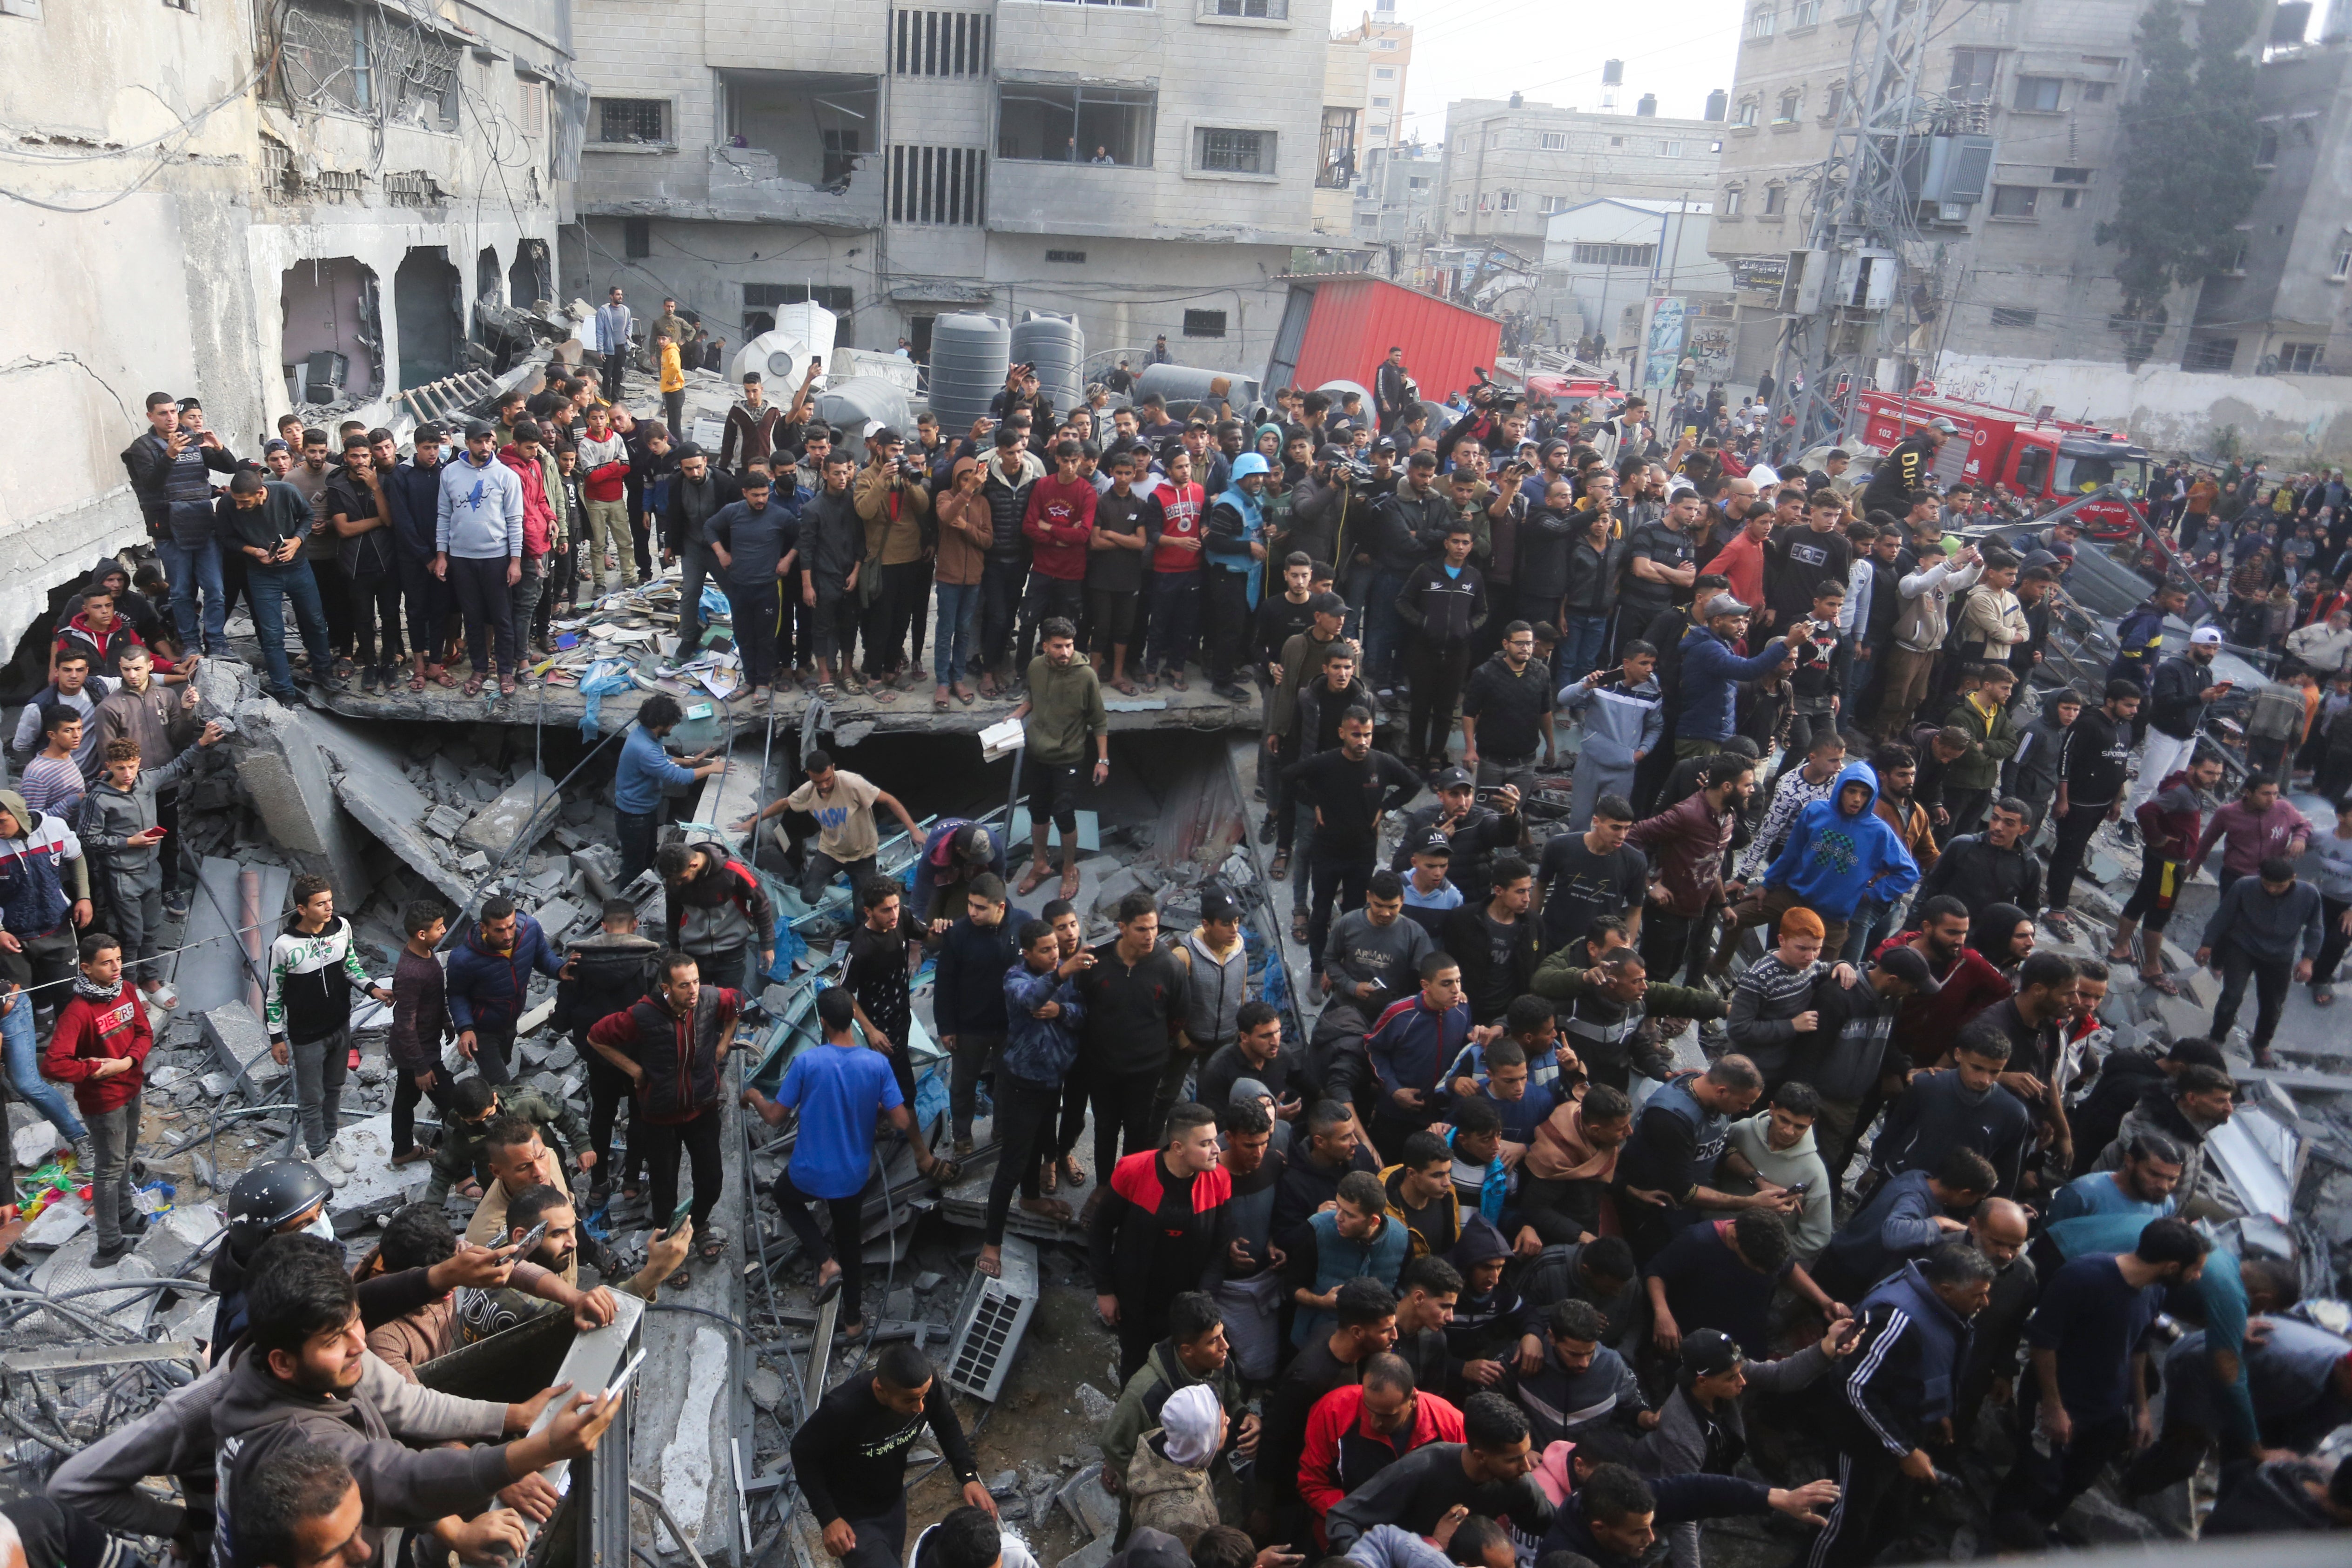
(55, 1225)
(474, 862)
(1115, 886)
(443, 821)
(501, 824)
(31, 1143)
(1094, 1405)
(241, 1045)
(766, 1389)
(562, 1056)
(558, 917)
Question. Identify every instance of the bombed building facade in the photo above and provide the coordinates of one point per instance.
(264, 207)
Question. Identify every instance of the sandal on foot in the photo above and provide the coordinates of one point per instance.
(1281, 866)
(2323, 995)
(1035, 877)
(1074, 1171)
(473, 685)
(1299, 927)
(1070, 883)
(417, 681)
(679, 1281)
(439, 676)
(826, 692)
(984, 1263)
(827, 1290)
(940, 701)
(1123, 686)
(505, 686)
(712, 1246)
(1049, 1180)
(964, 693)
(2164, 983)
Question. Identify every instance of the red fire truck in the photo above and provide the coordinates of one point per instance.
(2043, 462)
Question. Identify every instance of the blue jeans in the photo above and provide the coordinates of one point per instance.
(192, 568)
(959, 630)
(1383, 629)
(22, 1043)
(268, 588)
(1583, 644)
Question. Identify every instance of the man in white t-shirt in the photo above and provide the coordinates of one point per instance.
(848, 837)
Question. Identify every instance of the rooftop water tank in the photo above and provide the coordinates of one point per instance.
(1056, 346)
(857, 404)
(1718, 103)
(1182, 386)
(970, 354)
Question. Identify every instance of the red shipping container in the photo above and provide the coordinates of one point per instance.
(1338, 326)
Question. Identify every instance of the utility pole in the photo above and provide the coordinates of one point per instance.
(1861, 212)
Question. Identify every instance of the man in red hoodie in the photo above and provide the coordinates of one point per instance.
(534, 468)
(99, 1046)
(1060, 523)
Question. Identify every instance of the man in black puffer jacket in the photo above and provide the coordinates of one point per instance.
(603, 974)
(1011, 472)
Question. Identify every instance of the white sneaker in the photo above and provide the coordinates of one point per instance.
(336, 1175)
(344, 1158)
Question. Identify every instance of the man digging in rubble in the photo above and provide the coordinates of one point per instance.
(476, 1109)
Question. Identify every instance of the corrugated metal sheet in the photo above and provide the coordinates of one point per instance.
(1356, 319)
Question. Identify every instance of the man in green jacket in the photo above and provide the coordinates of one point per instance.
(1612, 1013)
(1195, 1351)
(1062, 712)
(474, 1104)
(1993, 737)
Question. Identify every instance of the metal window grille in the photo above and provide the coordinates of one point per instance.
(2014, 316)
(357, 59)
(1205, 323)
(1335, 168)
(632, 119)
(942, 43)
(1237, 152)
(937, 185)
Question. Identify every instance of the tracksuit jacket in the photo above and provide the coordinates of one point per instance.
(1711, 674)
(1040, 1050)
(312, 978)
(1409, 1042)
(489, 989)
(110, 817)
(1898, 1381)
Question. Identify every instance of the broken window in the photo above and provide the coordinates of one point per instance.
(428, 309)
(358, 59)
(818, 128)
(529, 281)
(1075, 124)
(1335, 166)
(937, 185)
(330, 330)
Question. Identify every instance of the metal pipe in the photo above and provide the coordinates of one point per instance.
(248, 888)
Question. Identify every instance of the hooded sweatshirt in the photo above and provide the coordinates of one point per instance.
(1800, 1161)
(260, 1417)
(1834, 859)
(108, 818)
(538, 515)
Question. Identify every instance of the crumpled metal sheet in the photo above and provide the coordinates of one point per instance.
(2262, 1158)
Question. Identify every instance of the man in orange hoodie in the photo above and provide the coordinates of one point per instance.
(99, 1046)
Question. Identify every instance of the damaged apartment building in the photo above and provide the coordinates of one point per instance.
(268, 207)
(1144, 168)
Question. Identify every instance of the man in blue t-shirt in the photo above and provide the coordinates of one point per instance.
(839, 1088)
(2086, 1402)
(2140, 1184)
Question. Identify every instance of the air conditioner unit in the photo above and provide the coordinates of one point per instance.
(324, 375)
(991, 1319)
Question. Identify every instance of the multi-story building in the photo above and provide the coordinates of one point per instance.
(1340, 155)
(1511, 166)
(2283, 307)
(1144, 168)
(1396, 206)
(1604, 260)
(234, 202)
(2007, 258)
(1392, 42)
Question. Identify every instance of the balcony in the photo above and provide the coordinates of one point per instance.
(799, 147)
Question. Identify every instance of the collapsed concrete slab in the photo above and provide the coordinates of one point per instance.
(241, 1044)
(216, 964)
(516, 819)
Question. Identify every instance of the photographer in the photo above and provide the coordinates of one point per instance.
(1391, 547)
(1320, 502)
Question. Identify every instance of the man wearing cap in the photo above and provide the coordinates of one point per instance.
(1473, 833)
(1299, 664)
(699, 492)
(1907, 469)
(478, 540)
(955, 852)
(1712, 671)
(2178, 696)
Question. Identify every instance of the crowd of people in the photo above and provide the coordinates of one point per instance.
(1477, 1263)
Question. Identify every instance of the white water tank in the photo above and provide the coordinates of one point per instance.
(855, 404)
(970, 354)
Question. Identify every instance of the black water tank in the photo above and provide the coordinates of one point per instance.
(1718, 103)
(1648, 104)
